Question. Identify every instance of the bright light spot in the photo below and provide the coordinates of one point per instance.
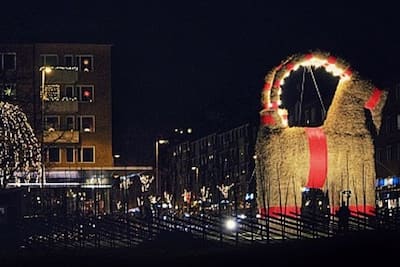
(285, 75)
(189, 130)
(345, 78)
(134, 210)
(258, 216)
(316, 62)
(163, 141)
(332, 68)
(249, 196)
(47, 69)
(230, 224)
(296, 67)
(242, 216)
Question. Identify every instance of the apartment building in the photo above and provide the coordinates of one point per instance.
(387, 155)
(65, 91)
(74, 120)
(199, 169)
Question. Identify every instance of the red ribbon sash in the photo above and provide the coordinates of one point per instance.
(374, 99)
(318, 157)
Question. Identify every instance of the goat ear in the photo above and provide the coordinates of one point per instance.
(376, 104)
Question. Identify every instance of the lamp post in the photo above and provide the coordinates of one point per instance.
(196, 181)
(158, 142)
(116, 157)
(43, 97)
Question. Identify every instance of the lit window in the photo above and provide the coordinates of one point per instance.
(85, 62)
(87, 124)
(52, 123)
(86, 93)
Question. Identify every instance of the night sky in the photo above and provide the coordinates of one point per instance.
(201, 64)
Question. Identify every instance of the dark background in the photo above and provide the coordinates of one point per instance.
(201, 64)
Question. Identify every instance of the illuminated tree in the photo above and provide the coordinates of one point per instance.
(20, 151)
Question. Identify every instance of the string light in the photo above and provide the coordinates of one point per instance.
(316, 60)
(20, 151)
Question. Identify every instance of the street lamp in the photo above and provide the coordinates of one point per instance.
(158, 142)
(44, 70)
(43, 97)
(116, 157)
(196, 181)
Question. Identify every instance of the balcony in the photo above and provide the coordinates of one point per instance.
(61, 107)
(65, 137)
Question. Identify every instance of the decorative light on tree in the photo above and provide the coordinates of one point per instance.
(187, 196)
(20, 151)
(146, 181)
(204, 193)
(168, 198)
(224, 189)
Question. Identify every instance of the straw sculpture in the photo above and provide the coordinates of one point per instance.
(336, 157)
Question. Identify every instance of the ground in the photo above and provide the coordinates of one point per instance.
(344, 250)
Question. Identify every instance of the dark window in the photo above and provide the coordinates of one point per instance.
(9, 61)
(49, 60)
(70, 154)
(69, 123)
(8, 91)
(70, 93)
(86, 154)
(54, 154)
(69, 61)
